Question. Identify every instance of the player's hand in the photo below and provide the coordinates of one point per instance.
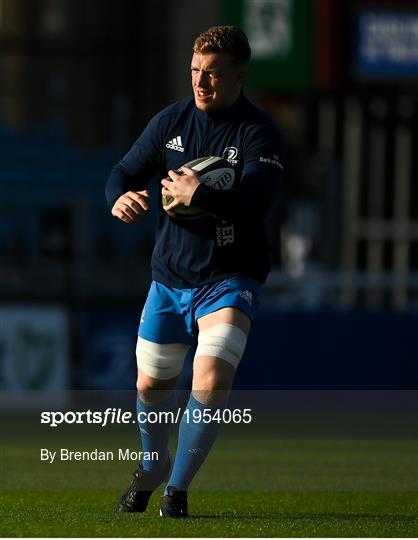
(131, 206)
(180, 186)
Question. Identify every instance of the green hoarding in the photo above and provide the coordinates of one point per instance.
(281, 35)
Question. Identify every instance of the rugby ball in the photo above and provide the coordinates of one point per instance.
(214, 172)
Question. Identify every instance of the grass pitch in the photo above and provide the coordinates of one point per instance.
(214, 514)
(255, 483)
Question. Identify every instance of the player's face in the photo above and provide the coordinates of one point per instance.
(216, 81)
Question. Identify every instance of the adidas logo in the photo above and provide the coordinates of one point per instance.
(175, 144)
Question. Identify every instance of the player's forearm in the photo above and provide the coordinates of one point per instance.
(120, 182)
(242, 203)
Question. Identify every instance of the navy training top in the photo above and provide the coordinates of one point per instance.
(233, 240)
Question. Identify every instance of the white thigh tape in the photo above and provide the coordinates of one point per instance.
(161, 361)
(224, 341)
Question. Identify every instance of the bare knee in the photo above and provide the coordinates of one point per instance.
(152, 390)
(212, 380)
(146, 386)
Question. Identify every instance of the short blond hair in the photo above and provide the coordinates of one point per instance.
(224, 39)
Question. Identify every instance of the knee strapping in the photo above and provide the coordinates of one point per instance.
(160, 361)
(223, 340)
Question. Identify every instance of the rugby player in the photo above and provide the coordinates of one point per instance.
(206, 272)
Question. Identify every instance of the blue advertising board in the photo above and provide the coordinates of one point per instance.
(387, 44)
(296, 350)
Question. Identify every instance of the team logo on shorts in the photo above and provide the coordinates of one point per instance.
(248, 296)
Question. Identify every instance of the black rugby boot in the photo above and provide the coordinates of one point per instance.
(136, 497)
(174, 505)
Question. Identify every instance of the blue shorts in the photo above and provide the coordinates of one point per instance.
(170, 315)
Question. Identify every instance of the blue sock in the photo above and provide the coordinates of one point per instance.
(154, 436)
(195, 440)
